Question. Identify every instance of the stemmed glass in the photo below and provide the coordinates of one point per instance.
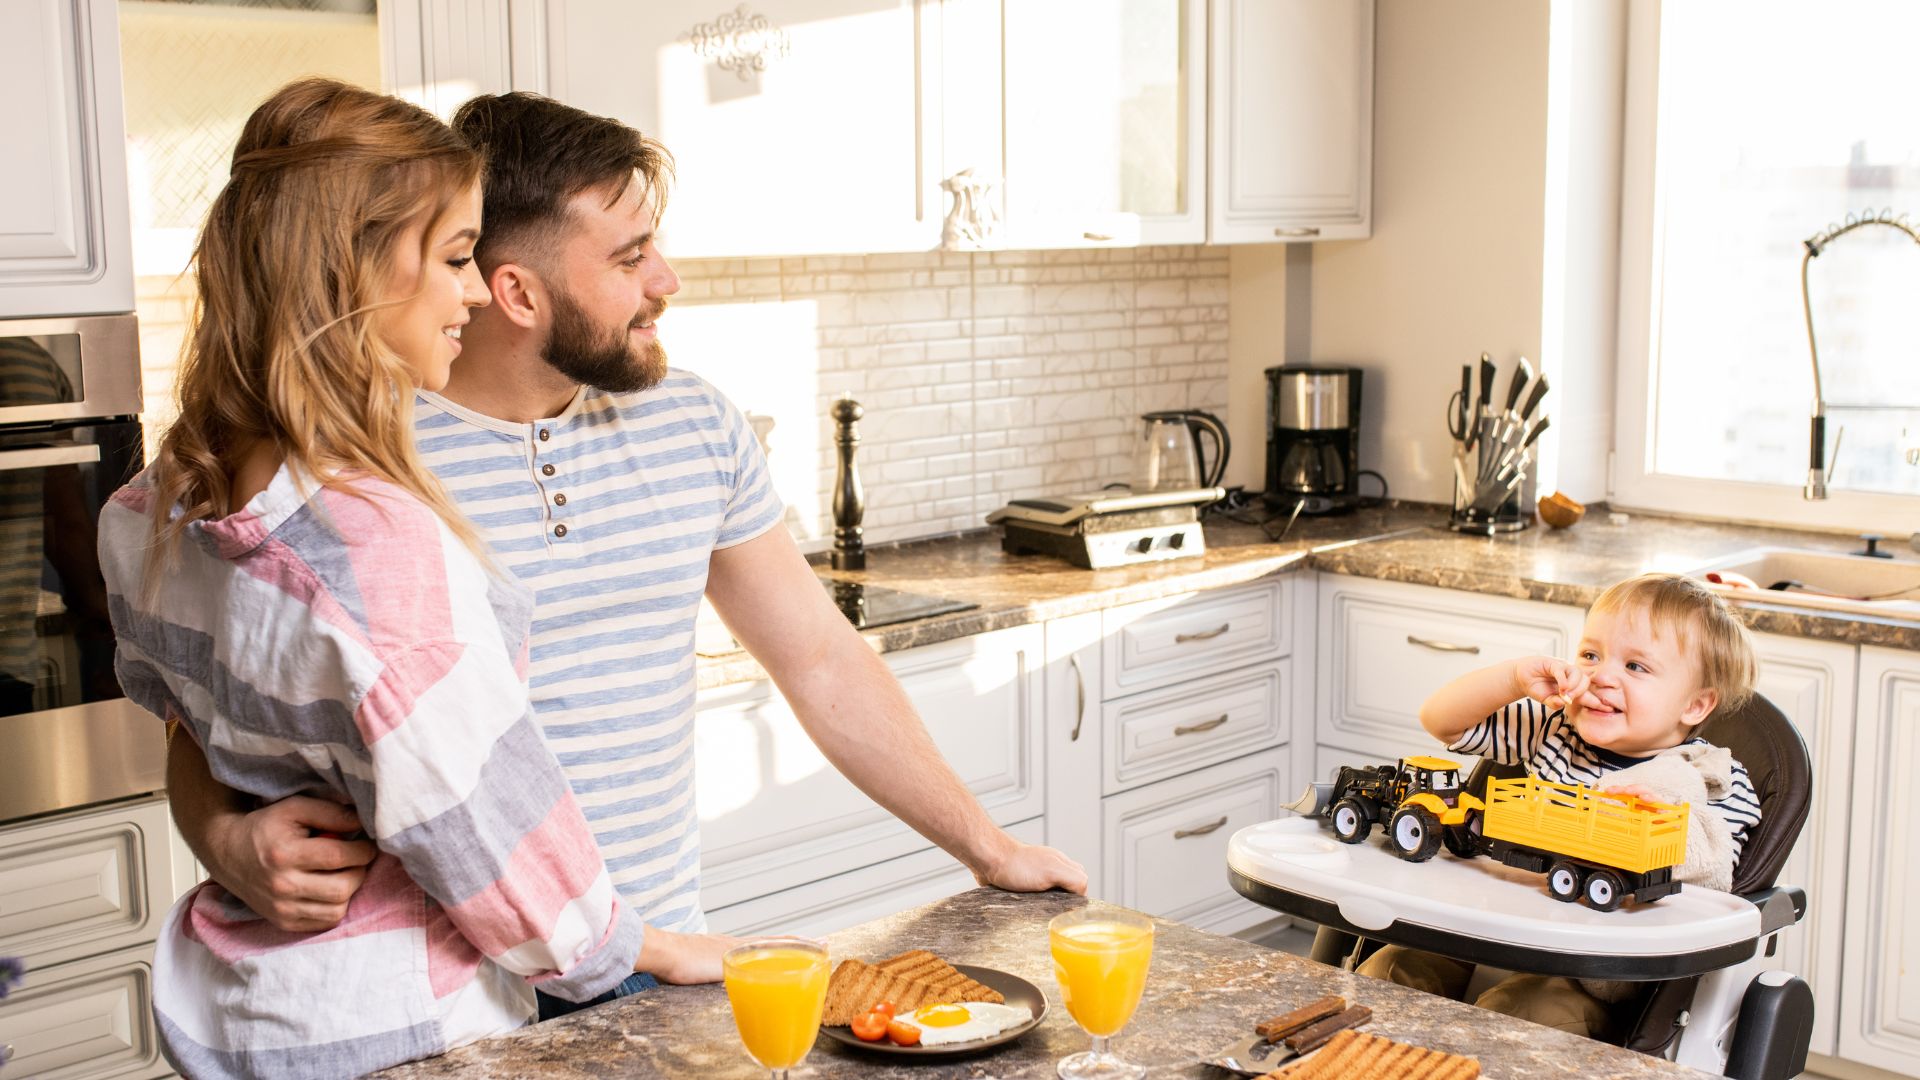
(1100, 959)
(778, 988)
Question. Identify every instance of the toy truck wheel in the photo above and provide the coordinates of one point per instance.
(1563, 881)
(1460, 840)
(1415, 833)
(1605, 890)
(1350, 821)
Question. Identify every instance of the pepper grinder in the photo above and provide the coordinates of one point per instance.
(849, 501)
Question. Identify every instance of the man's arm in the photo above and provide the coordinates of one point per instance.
(857, 713)
(267, 857)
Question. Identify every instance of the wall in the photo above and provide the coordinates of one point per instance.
(1453, 266)
(985, 376)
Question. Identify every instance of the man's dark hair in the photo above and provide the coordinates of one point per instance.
(540, 154)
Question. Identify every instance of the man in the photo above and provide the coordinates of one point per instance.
(620, 491)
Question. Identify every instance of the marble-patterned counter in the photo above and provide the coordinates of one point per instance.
(1399, 542)
(1203, 992)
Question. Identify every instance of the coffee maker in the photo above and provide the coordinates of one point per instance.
(1313, 439)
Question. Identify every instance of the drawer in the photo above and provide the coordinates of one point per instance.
(1159, 642)
(1190, 725)
(1386, 646)
(871, 892)
(87, 1020)
(1164, 846)
(84, 884)
(774, 813)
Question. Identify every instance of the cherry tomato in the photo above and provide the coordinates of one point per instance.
(871, 1027)
(903, 1033)
(885, 1008)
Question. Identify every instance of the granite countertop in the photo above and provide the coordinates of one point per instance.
(1398, 542)
(1203, 992)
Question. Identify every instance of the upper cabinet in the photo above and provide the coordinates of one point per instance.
(64, 234)
(846, 126)
(796, 126)
(1105, 124)
(1291, 141)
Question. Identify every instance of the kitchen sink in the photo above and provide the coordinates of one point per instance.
(1827, 580)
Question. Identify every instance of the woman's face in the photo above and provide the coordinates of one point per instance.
(434, 294)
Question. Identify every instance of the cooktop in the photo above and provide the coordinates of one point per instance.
(867, 606)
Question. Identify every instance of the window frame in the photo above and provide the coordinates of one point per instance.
(1633, 484)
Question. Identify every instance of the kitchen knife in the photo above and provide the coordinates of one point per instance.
(1522, 375)
(1533, 399)
(1487, 373)
(1513, 452)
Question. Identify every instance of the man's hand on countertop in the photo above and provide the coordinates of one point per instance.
(1032, 868)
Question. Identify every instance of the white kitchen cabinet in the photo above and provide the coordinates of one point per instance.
(1194, 724)
(775, 814)
(1165, 847)
(64, 232)
(1812, 682)
(1105, 125)
(1160, 642)
(1386, 645)
(796, 127)
(1880, 988)
(1290, 130)
(87, 1020)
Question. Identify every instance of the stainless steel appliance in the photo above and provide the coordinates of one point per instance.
(69, 437)
(1100, 529)
(1313, 439)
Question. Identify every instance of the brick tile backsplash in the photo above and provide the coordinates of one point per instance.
(984, 376)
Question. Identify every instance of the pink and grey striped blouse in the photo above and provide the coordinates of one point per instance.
(350, 646)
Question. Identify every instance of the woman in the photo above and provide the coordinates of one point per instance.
(290, 585)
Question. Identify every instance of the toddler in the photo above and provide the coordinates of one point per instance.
(1658, 655)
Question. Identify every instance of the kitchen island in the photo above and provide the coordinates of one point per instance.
(1203, 992)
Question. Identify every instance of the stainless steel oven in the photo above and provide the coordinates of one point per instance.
(69, 437)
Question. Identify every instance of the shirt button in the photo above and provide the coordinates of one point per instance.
(559, 530)
(543, 434)
(546, 470)
(560, 500)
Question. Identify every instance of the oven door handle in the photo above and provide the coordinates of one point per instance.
(40, 457)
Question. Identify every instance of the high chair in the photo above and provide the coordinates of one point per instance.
(1712, 1000)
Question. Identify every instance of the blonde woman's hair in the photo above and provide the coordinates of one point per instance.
(1703, 623)
(292, 263)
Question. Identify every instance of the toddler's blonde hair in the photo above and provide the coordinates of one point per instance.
(1703, 623)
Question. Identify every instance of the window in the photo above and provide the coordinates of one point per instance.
(194, 70)
(1752, 125)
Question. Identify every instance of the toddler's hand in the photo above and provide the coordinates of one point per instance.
(1549, 681)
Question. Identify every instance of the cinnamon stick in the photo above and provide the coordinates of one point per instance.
(1310, 1038)
(1287, 1023)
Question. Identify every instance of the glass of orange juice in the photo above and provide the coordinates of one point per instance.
(777, 987)
(1100, 958)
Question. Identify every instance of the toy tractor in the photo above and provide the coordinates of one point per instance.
(1419, 800)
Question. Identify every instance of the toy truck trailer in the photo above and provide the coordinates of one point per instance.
(1602, 848)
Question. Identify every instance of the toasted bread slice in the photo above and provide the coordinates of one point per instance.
(943, 977)
(856, 987)
(1351, 1055)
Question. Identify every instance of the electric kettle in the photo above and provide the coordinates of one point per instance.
(1169, 455)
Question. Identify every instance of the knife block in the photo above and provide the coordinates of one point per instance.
(1510, 516)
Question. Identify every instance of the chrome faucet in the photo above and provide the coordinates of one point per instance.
(1819, 468)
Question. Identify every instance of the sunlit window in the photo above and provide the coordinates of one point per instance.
(1777, 118)
(193, 71)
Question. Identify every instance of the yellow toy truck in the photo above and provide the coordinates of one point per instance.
(1596, 847)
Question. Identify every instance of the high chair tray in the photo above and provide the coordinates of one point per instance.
(1483, 911)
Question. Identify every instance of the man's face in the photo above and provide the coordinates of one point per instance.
(610, 286)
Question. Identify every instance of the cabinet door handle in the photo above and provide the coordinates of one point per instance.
(1195, 729)
(1182, 834)
(1443, 646)
(1079, 697)
(1204, 635)
(41, 457)
(1313, 230)
(1097, 237)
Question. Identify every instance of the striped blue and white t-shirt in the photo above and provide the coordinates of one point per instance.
(610, 512)
(1525, 733)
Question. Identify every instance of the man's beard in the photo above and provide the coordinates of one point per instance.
(605, 361)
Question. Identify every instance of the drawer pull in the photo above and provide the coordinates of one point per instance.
(1311, 230)
(1195, 729)
(1079, 697)
(1098, 238)
(1204, 635)
(1182, 834)
(1443, 646)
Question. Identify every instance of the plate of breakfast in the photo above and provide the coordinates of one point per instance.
(918, 1005)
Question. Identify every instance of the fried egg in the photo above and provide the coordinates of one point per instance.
(965, 1021)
